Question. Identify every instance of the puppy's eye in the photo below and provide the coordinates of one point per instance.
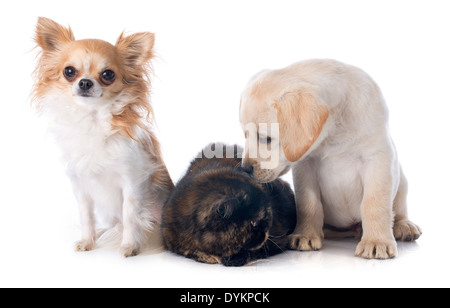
(70, 73)
(108, 77)
(265, 140)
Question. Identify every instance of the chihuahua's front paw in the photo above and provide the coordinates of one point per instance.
(372, 249)
(84, 245)
(129, 251)
(305, 242)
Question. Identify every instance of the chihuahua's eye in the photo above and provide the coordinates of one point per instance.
(108, 77)
(70, 73)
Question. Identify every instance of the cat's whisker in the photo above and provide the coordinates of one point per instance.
(278, 246)
(253, 262)
(277, 236)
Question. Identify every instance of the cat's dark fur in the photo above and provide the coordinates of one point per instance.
(218, 214)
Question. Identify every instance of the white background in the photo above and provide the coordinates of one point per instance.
(207, 50)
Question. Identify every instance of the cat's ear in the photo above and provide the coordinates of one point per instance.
(225, 210)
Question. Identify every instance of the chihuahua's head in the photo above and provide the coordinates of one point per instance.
(93, 72)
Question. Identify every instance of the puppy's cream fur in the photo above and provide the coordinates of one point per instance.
(333, 132)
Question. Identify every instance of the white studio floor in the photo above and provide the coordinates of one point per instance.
(54, 264)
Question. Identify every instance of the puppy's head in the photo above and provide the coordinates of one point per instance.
(281, 121)
(93, 73)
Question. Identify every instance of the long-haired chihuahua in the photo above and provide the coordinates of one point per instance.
(97, 98)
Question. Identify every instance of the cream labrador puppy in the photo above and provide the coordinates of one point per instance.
(328, 121)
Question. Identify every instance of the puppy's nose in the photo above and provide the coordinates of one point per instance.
(247, 168)
(85, 84)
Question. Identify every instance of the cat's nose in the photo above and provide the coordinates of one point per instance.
(247, 168)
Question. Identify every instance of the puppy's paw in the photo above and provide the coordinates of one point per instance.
(406, 231)
(84, 245)
(129, 251)
(305, 242)
(370, 249)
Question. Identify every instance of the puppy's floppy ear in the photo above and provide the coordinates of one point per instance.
(136, 49)
(301, 118)
(51, 35)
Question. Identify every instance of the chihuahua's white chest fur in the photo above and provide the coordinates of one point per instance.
(85, 135)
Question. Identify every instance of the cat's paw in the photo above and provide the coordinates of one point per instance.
(303, 242)
(406, 231)
(129, 251)
(84, 245)
(372, 249)
(239, 259)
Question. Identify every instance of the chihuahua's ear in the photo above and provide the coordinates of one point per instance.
(301, 118)
(136, 49)
(51, 35)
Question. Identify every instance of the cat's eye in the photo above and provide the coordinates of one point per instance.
(253, 223)
(70, 73)
(108, 77)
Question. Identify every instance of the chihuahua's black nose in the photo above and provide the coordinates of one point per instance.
(247, 168)
(85, 84)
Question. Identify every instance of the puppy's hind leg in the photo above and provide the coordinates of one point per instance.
(404, 229)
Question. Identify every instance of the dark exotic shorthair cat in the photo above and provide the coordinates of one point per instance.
(218, 214)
